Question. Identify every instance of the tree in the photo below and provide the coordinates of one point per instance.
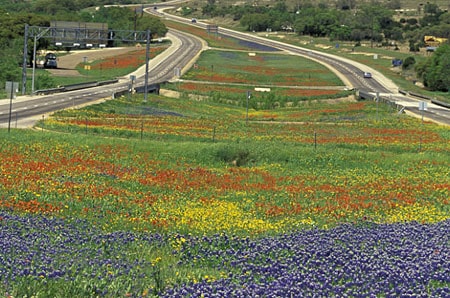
(255, 22)
(341, 33)
(325, 23)
(435, 71)
(375, 19)
(431, 8)
(9, 61)
(12, 31)
(394, 4)
(413, 46)
(54, 7)
(117, 18)
(442, 30)
(156, 27)
(394, 34)
(209, 10)
(445, 18)
(346, 4)
(408, 63)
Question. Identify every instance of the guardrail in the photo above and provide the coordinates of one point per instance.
(80, 86)
(49, 91)
(368, 95)
(74, 87)
(433, 100)
(102, 83)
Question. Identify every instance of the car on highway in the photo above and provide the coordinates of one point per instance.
(367, 75)
(50, 61)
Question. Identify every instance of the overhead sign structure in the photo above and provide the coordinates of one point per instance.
(80, 34)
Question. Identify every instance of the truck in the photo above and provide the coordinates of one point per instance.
(50, 61)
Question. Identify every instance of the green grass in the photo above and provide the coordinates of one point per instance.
(96, 165)
(227, 76)
(261, 69)
(214, 121)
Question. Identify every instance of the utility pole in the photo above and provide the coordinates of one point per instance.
(24, 62)
(371, 35)
(135, 19)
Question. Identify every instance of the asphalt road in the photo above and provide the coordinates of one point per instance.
(349, 71)
(26, 110)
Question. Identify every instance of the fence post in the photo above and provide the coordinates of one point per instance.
(315, 140)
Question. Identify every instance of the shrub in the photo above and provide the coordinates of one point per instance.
(235, 155)
(408, 63)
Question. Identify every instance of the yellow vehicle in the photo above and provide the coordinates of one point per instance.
(433, 41)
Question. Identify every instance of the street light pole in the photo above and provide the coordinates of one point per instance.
(10, 103)
(147, 58)
(34, 66)
(36, 38)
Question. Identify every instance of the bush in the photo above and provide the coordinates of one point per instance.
(235, 155)
(408, 63)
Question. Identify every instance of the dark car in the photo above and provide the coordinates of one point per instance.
(50, 61)
(367, 75)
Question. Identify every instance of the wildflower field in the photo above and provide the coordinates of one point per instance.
(226, 76)
(185, 198)
(295, 196)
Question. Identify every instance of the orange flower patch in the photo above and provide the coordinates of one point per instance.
(209, 88)
(32, 206)
(308, 92)
(133, 59)
(406, 136)
(344, 109)
(261, 70)
(222, 78)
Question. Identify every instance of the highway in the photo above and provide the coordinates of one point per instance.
(182, 54)
(349, 71)
(26, 110)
